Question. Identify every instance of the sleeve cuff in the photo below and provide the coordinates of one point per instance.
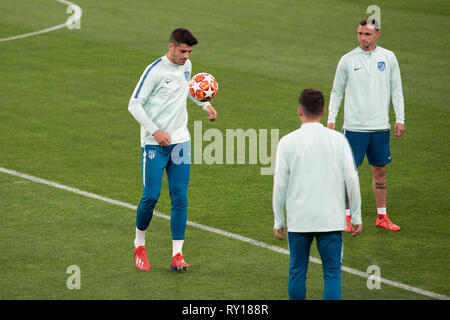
(278, 226)
(356, 220)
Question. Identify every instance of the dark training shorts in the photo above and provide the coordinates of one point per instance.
(375, 144)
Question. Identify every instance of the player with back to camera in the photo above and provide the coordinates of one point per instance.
(158, 104)
(313, 167)
(370, 75)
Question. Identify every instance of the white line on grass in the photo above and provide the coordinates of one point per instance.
(221, 232)
(76, 17)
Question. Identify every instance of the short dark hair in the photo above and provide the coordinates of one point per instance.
(182, 35)
(312, 102)
(371, 21)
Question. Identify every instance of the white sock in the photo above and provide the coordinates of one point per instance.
(347, 212)
(140, 238)
(177, 247)
(381, 211)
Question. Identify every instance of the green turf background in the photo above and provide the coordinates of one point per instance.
(64, 118)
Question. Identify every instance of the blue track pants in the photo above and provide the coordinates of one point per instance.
(176, 161)
(329, 245)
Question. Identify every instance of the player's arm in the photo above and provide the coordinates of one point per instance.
(397, 99)
(352, 187)
(337, 92)
(144, 88)
(280, 182)
(212, 113)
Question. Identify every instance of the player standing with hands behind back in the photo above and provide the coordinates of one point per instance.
(370, 75)
(158, 103)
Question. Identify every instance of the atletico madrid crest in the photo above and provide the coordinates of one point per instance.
(381, 65)
(151, 154)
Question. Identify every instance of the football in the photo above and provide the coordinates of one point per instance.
(203, 86)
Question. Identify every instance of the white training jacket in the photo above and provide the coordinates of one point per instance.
(314, 165)
(369, 79)
(159, 101)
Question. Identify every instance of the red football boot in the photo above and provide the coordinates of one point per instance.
(350, 227)
(384, 222)
(178, 263)
(140, 257)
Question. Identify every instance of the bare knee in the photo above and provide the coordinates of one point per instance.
(379, 173)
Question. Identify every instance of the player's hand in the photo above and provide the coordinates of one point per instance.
(162, 138)
(212, 113)
(399, 130)
(277, 234)
(358, 229)
(331, 126)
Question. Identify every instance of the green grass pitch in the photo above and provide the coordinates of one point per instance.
(64, 118)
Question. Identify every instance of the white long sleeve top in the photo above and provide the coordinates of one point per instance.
(369, 79)
(314, 165)
(159, 101)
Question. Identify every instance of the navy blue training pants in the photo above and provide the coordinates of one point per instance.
(329, 245)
